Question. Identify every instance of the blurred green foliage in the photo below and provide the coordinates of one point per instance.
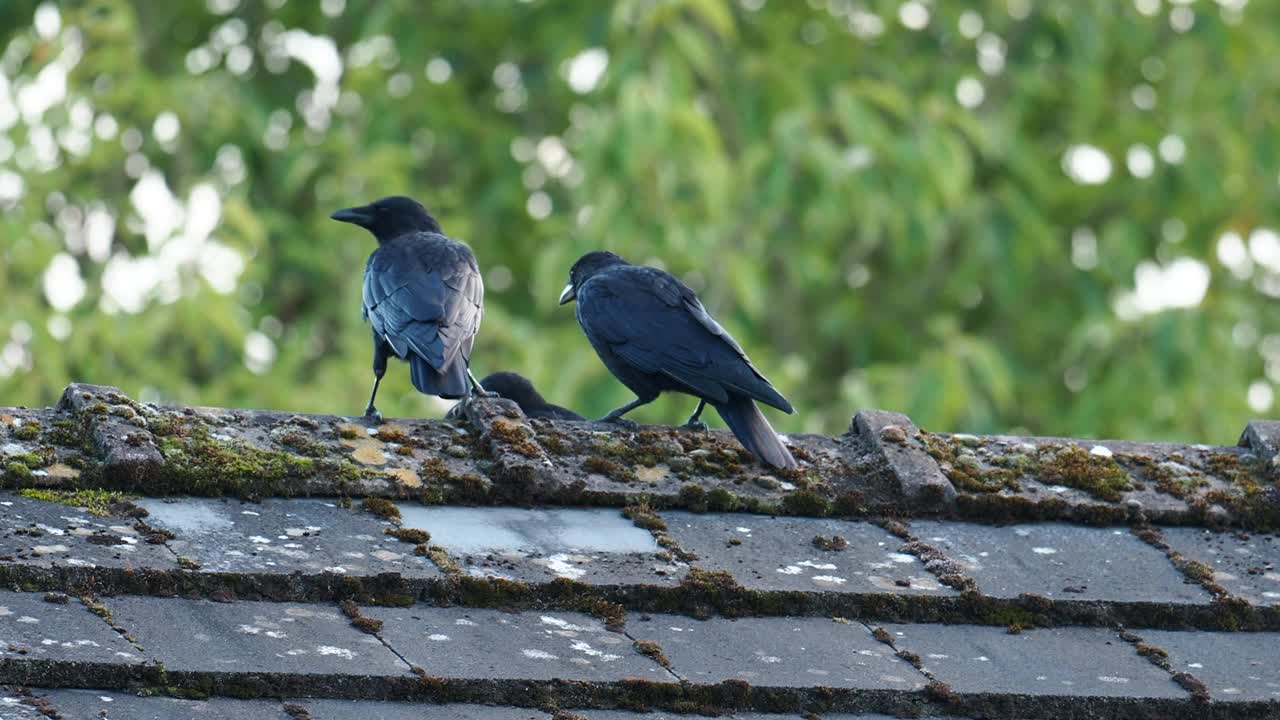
(991, 215)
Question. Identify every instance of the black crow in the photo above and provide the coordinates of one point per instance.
(516, 387)
(423, 295)
(653, 334)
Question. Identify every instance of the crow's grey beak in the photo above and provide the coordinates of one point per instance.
(355, 216)
(567, 294)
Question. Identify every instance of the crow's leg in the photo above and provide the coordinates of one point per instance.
(615, 416)
(477, 390)
(693, 423)
(381, 352)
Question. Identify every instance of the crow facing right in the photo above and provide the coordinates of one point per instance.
(653, 334)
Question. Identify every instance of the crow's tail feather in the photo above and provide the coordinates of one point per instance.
(451, 383)
(754, 432)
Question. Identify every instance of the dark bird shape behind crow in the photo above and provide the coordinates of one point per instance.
(423, 295)
(518, 388)
(653, 334)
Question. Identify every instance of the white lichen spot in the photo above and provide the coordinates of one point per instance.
(28, 620)
(1044, 551)
(276, 634)
(463, 621)
(743, 530)
(829, 579)
(790, 570)
(438, 637)
(563, 624)
(343, 653)
(336, 569)
(565, 566)
(4, 611)
(250, 629)
(294, 532)
(816, 566)
(1231, 691)
(249, 512)
(937, 656)
(386, 555)
(538, 654)
(1113, 679)
(902, 558)
(259, 540)
(1100, 451)
(41, 550)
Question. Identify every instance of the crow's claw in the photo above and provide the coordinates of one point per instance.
(620, 422)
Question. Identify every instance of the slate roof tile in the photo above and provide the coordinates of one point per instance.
(287, 566)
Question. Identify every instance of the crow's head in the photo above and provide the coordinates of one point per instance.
(390, 217)
(587, 266)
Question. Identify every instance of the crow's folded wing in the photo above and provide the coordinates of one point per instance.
(424, 294)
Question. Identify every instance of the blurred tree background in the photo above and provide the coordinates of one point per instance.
(1049, 216)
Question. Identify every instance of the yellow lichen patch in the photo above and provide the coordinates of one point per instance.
(8, 420)
(351, 433)
(58, 470)
(392, 432)
(369, 453)
(407, 477)
(651, 474)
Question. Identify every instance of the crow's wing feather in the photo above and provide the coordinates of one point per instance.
(656, 324)
(423, 293)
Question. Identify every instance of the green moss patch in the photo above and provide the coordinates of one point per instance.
(97, 502)
(1073, 466)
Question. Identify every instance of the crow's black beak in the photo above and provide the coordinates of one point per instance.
(568, 294)
(355, 216)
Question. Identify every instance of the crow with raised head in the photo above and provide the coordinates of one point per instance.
(518, 388)
(422, 294)
(653, 334)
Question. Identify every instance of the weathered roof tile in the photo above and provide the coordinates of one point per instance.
(457, 562)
